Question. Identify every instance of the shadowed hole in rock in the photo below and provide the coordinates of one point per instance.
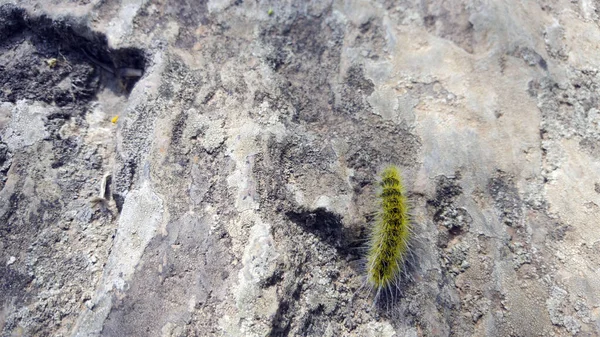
(60, 61)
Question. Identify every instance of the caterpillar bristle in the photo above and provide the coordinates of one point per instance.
(389, 241)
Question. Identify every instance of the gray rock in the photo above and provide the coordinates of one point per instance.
(210, 168)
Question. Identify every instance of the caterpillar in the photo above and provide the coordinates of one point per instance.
(389, 240)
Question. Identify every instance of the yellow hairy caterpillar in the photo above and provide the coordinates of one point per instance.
(388, 244)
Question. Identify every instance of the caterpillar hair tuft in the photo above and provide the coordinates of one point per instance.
(390, 236)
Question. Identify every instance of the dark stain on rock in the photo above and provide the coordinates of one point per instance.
(356, 79)
(13, 285)
(5, 162)
(305, 79)
(445, 211)
(506, 198)
(8, 225)
(449, 22)
(591, 145)
(189, 15)
(354, 93)
(559, 231)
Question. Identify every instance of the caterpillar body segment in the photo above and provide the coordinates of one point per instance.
(389, 241)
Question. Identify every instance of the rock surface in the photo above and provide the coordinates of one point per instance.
(229, 189)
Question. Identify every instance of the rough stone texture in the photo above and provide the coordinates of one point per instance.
(235, 192)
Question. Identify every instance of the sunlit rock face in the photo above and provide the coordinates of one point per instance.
(209, 168)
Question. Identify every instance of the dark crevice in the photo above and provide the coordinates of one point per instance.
(60, 61)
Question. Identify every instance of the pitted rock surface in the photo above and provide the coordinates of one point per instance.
(209, 168)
